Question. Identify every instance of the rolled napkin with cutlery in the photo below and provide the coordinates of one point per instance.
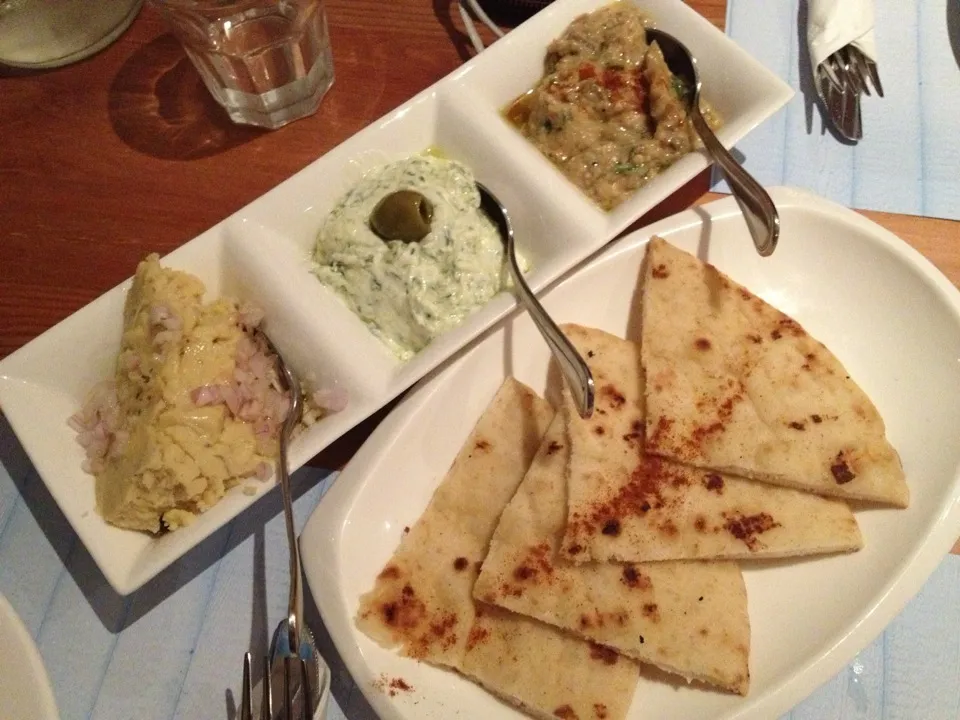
(831, 24)
(843, 57)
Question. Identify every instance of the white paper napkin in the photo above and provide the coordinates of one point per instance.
(831, 24)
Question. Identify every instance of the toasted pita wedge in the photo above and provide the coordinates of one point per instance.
(545, 672)
(735, 385)
(625, 505)
(422, 600)
(688, 618)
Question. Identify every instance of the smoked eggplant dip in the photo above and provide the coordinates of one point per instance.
(410, 252)
(608, 112)
(193, 409)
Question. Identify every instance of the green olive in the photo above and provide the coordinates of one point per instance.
(402, 215)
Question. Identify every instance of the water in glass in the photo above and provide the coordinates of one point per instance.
(266, 63)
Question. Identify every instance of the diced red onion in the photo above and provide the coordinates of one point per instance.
(207, 395)
(333, 399)
(249, 315)
(253, 394)
(159, 314)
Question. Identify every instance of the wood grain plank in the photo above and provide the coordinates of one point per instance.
(125, 153)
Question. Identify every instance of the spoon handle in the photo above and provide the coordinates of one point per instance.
(574, 368)
(758, 209)
(295, 602)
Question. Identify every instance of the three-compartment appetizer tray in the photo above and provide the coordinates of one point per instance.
(264, 254)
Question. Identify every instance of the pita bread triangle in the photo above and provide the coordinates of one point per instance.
(735, 385)
(625, 505)
(689, 618)
(422, 600)
(548, 673)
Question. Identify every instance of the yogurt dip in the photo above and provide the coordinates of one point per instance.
(408, 293)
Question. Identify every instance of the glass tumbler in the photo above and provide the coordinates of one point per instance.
(266, 63)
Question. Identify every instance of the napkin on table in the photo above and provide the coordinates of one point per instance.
(908, 158)
(831, 24)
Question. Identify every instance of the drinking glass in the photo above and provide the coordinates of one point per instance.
(266, 63)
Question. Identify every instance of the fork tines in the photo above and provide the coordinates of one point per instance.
(872, 74)
(289, 690)
(246, 694)
(266, 703)
(306, 690)
(246, 712)
(841, 79)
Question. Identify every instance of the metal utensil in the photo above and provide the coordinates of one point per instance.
(758, 209)
(295, 604)
(840, 96)
(293, 653)
(291, 693)
(301, 688)
(575, 370)
(246, 697)
(292, 641)
(840, 81)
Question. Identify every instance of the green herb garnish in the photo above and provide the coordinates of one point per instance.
(680, 88)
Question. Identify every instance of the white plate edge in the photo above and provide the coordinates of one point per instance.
(903, 585)
(47, 699)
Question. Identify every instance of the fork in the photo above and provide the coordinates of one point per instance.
(266, 702)
(841, 79)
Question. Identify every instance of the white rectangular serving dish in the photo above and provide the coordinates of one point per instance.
(262, 253)
(887, 313)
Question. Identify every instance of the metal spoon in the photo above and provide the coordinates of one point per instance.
(574, 369)
(296, 687)
(291, 638)
(757, 207)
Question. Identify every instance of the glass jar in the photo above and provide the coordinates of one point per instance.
(39, 34)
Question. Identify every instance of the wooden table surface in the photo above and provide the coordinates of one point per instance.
(125, 153)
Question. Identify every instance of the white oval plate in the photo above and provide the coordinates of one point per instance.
(885, 311)
(263, 253)
(25, 690)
